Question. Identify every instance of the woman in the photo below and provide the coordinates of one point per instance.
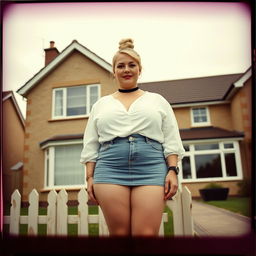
(131, 150)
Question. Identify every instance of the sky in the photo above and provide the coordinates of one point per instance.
(176, 40)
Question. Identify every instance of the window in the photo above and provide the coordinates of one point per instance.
(230, 164)
(211, 161)
(186, 167)
(208, 166)
(206, 146)
(200, 116)
(62, 166)
(74, 101)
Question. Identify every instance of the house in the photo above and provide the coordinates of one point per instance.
(214, 118)
(59, 99)
(13, 145)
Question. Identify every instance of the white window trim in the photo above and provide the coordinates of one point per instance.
(64, 89)
(61, 143)
(193, 124)
(46, 157)
(192, 152)
(51, 149)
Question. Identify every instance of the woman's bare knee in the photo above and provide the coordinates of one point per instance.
(145, 231)
(114, 201)
(120, 231)
(147, 206)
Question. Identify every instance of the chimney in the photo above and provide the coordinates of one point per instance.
(50, 53)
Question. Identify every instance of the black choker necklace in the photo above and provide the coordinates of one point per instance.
(128, 90)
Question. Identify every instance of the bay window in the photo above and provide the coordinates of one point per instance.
(211, 161)
(62, 166)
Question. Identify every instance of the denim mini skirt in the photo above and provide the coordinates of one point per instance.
(131, 161)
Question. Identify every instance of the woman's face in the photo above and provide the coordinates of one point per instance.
(126, 71)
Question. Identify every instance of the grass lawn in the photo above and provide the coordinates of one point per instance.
(72, 228)
(239, 205)
(168, 226)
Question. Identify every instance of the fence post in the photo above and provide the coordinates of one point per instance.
(83, 225)
(33, 213)
(51, 213)
(15, 213)
(176, 206)
(187, 212)
(57, 214)
(62, 213)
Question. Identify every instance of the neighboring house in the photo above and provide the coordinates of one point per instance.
(13, 145)
(211, 113)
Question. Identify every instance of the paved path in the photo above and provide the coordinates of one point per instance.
(213, 221)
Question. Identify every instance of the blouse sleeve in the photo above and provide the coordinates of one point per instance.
(172, 140)
(90, 141)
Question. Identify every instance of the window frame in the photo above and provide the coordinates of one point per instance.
(192, 152)
(195, 124)
(49, 153)
(64, 105)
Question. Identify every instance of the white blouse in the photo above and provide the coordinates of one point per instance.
(149, 115)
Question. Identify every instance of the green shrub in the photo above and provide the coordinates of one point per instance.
(244, 187)
(213, 185)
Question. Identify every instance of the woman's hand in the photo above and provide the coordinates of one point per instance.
(171, 185)
(90, 191)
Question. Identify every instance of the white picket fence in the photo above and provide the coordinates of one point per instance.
(57, 218)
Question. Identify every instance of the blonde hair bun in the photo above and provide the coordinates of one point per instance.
(126, 43)
(126, 46)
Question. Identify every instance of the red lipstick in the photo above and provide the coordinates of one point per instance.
(127, 77)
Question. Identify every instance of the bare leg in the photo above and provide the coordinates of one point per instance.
(114, 201)
(147, 205)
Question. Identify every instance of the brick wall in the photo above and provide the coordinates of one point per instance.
(220, 116)
(241, 108)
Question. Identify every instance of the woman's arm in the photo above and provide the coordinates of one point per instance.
(90, 141)
(171, 179)
(172, 160)
(172, 141)
(89, 170)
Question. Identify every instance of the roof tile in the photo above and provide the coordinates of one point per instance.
(192, 90)
(209, 132)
